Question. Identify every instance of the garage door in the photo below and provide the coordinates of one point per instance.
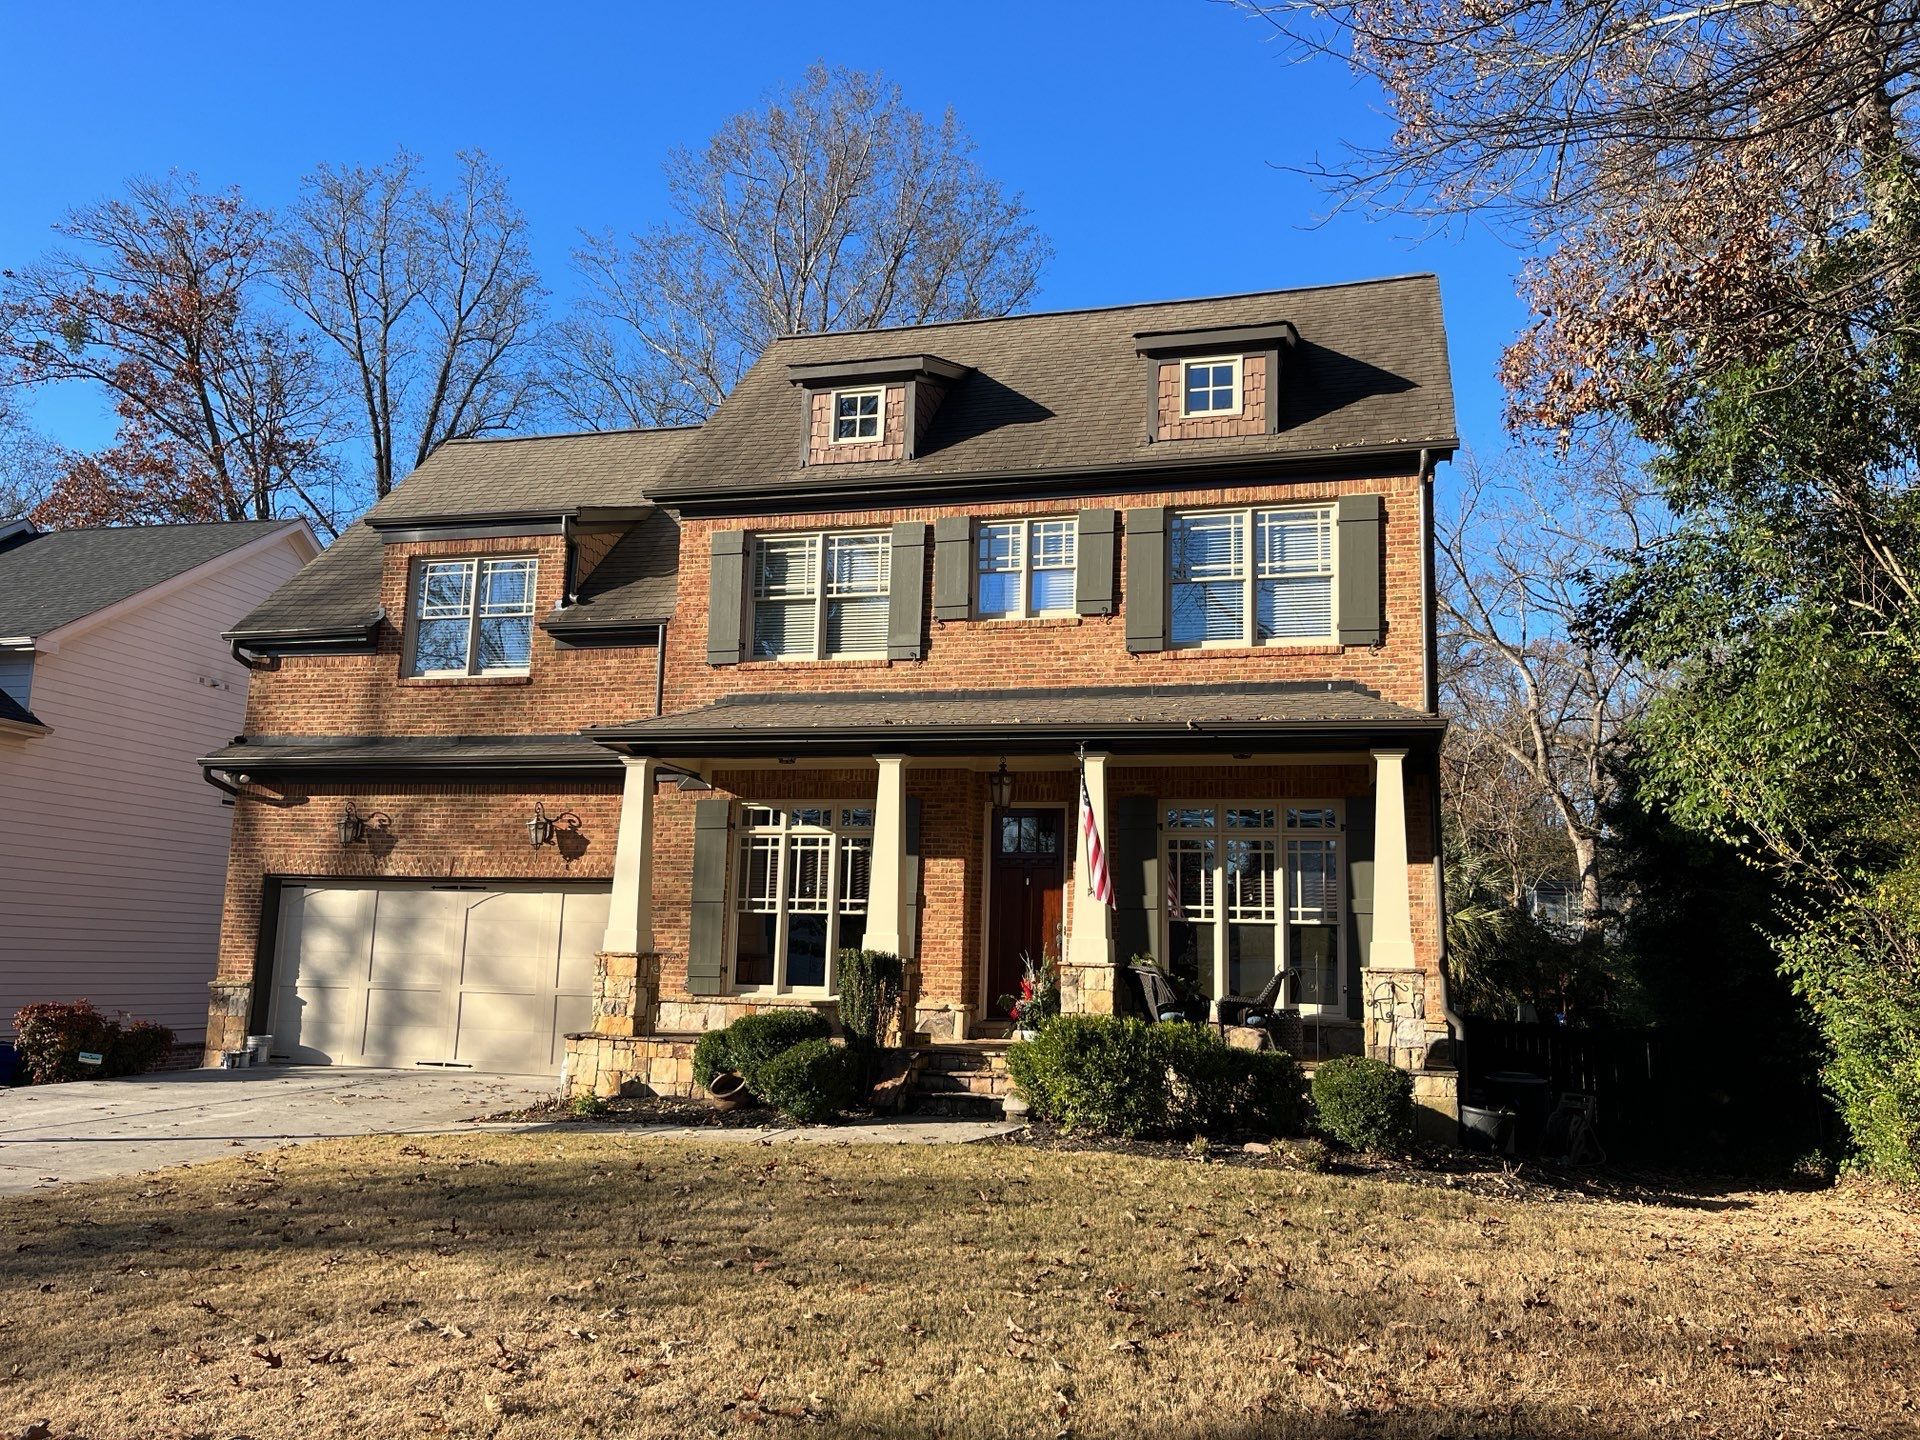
(489, 977)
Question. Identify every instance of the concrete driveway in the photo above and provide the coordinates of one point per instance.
(95, 1129)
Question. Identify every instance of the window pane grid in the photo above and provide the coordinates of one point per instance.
(1026, 568)
(821, 596)
(856, 414)
(1252, 577)
(472, 617)
(801, 892)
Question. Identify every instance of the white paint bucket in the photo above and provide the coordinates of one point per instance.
(257, 1048)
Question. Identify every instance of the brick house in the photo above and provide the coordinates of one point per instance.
(579, 745)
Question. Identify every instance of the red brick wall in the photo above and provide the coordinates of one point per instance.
(1252, 419)
(564, 689)
(979, 654)
(440, 831)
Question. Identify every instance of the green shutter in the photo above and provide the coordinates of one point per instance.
(953, 568)
(1134, 854)
(1093, 565)
(1357, 606)
(1146, 579)
(707, 928)
(726, 597)
(906, 591)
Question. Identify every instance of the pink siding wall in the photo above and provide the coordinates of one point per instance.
(112, 849)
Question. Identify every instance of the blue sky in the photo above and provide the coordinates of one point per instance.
(1150, 139)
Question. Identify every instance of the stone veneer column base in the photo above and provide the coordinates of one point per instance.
(626, 990)
(1089, 989)
(606, 1066)
(229, 1011)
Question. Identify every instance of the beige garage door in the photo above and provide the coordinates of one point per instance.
(491, 978)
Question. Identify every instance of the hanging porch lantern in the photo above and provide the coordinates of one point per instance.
(1000, 786)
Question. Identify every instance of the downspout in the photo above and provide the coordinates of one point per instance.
(1431, 686)
(660, 669)
(569, 565)
(255, 662)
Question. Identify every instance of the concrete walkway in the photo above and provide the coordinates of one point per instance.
(99, 1129)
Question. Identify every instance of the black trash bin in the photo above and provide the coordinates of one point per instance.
(1530, 1097)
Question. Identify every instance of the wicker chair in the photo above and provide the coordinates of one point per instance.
(1157, 999)
(1264, 1012)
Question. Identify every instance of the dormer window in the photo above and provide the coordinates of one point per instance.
(1210, 387)
(859, 416)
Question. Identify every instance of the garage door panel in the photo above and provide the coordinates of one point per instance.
(403, 974)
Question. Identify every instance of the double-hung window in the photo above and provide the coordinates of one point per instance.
(1252, 577)
(859, 415)
(820, 597)
(1253, 890)
(1025, 568)
(473, 617)
(800, 895)
(1210, 387)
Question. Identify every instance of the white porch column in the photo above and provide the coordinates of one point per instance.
(1392, 915)
(887, 881)
(1090, 929)
(630, 914)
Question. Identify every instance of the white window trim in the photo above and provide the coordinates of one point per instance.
(784, 827)
(820, 596)
(1025, 572)
(1248, 640)
(1238, 362)
(1280, 834)
(473, 670)
(880, 420)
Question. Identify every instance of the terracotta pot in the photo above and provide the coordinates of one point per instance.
(727, 1091)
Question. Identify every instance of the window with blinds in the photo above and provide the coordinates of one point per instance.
(473, 617)
(820, 597)
(801, 894)
(1026, 568)
(1251, 577)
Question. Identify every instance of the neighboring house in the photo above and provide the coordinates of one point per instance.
(114, 680)
(578, 746)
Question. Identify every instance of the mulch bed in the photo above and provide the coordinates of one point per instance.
(1432, 1167)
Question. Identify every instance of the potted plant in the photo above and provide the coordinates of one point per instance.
(1039, 997)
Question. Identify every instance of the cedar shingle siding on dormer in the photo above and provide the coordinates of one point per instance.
(1251, 419)
(823, 450)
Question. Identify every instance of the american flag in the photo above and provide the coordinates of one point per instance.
(1175, 911)
(1099, 880)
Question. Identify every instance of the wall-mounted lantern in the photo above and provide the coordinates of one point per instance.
(1000, 785)
(544, 829)
(355, 827)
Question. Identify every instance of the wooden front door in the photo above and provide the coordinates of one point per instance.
(1023, 897)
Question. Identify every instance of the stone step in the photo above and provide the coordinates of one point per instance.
(962, 1104)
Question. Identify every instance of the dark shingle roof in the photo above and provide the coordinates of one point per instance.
(635, 582)
(1136, 718)
(53, 578)
(474, 479)
(534, 473)
(1066, 391)
(406, 752)
(12, 711)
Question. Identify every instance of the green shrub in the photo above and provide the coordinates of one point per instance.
(1094, 1072)
(50, 1038)
(1215, 1088)
(870, 983)
(711, 1055)
(753, 1040)
(1365, 1104)
(811, 1081)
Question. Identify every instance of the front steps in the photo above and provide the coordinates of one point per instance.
(967, 1079)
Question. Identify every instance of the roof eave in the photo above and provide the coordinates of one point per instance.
(1084, 478)
(1120, 738)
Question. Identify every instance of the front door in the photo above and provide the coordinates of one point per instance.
(1023, 897)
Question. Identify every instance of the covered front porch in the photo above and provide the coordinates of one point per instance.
(1258, 839)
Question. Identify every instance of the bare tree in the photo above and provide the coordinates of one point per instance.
(1534, 691)
(28, 460)
(832, 207)
(1669, 159)
(431, 299)
(224, 414)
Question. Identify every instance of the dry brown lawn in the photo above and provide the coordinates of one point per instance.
(596, 1284)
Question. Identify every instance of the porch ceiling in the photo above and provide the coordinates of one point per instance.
(1209, 719)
